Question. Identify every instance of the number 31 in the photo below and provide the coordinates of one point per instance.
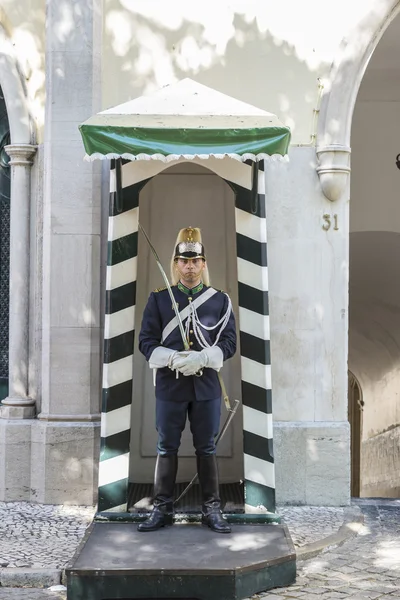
(327, 224)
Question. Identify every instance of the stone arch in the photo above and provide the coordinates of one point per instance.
(339, 97)
(11, 82)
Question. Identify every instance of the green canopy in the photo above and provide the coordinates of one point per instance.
(184, 120)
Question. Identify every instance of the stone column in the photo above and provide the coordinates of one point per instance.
(18, 405)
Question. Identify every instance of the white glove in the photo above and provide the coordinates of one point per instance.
(162, 357)
(190, 363)
(215, 357)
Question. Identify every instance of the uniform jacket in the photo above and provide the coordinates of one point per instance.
(158, 314)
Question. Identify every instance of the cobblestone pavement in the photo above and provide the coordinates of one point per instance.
(365, 567)
(309, 524)
(40, 535)
(46, 536)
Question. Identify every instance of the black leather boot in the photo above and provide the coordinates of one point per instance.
(164, 483)
(207, 470)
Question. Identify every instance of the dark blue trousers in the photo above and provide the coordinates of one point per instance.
(204, 417)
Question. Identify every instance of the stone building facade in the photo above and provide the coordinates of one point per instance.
(314, 67)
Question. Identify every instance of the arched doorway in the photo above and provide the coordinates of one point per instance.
(355, 408)
(374, 315)
(364, 79)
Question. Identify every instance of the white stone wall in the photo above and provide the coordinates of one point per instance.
(269, 53)
(308, 304)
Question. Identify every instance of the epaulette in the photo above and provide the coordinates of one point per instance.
(160, 289)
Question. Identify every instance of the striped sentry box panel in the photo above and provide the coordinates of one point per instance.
(119, 331)
(253, 325)
(251, 240)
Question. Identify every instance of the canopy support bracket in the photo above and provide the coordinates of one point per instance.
(254, 189)
(118, 186)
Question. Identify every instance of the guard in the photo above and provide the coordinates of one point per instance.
(186, 381)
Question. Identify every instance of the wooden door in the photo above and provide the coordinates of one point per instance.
(355, 407)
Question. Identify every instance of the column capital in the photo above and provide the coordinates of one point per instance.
(20, 154)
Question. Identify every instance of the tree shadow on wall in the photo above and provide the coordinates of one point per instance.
(243, 61)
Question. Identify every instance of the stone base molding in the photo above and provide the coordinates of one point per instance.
(21, 155)
(305, 451)
(18, 411)
(50, 463)
(64, 462)
(15, 460)
(88, 418)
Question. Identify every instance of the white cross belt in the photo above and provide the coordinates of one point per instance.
(184, 313)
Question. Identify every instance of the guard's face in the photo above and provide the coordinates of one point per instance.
(190, 269)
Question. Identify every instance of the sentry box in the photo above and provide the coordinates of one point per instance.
(184, 155)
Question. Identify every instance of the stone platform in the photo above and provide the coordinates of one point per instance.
(186, 561)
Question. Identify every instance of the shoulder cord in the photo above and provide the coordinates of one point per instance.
(197, 324)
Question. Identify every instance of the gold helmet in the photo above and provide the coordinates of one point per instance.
(188, 245)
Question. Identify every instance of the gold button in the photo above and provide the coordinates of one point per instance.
(190, 298)
(191, 331)
(190, 343)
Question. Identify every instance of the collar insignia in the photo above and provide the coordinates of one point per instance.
(188, 291)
